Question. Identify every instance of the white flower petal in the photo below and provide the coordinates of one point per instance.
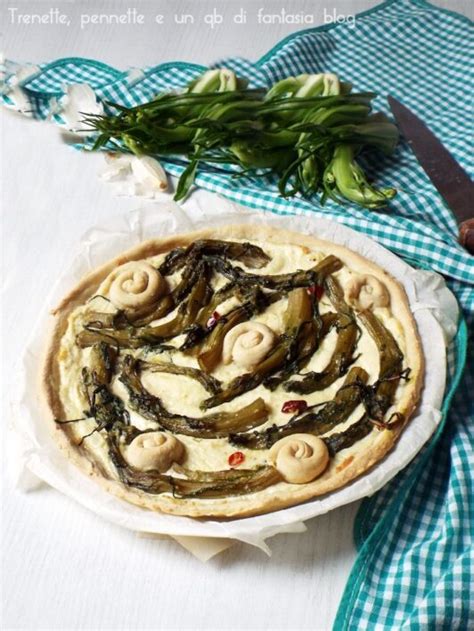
(53, 106)
(17, 99)
(147, 170)
(79, 99)
(133, 176)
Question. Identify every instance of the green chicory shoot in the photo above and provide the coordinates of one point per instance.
(306, 129)
(344, 179)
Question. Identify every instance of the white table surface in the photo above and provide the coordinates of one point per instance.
(63, 567)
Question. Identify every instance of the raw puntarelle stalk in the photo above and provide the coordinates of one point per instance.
(306, 130)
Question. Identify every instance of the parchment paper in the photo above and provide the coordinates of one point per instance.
(36, 458)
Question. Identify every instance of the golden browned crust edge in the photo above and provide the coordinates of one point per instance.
(262, 502)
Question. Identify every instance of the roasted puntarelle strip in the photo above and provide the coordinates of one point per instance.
(248, 254)
(310, 336)
(209, 426)
(133, 337)
(169, 371)
(210, 383)
(315, 422)
(281, 282)
(343, 354)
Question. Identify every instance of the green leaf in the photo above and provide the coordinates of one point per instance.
(186, 180)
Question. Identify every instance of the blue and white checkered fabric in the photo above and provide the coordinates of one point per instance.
(415, 568)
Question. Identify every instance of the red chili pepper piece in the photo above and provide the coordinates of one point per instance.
(294, 406)
(211, 323)
(317, 291)
(236, 458)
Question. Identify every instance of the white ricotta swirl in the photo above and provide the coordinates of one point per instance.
(367, 292)
(154, 450)
(135, 285)
(247, 344)
(300, 458)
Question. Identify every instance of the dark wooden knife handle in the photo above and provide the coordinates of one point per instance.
(466, 235)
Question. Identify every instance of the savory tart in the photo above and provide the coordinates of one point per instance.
(232, 371)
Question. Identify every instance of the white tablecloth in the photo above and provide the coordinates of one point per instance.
(63, 567)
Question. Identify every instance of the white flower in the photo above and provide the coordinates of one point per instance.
(13, 94)
(16, 99)
(134, 176)
(79, 99)
(149, 172)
